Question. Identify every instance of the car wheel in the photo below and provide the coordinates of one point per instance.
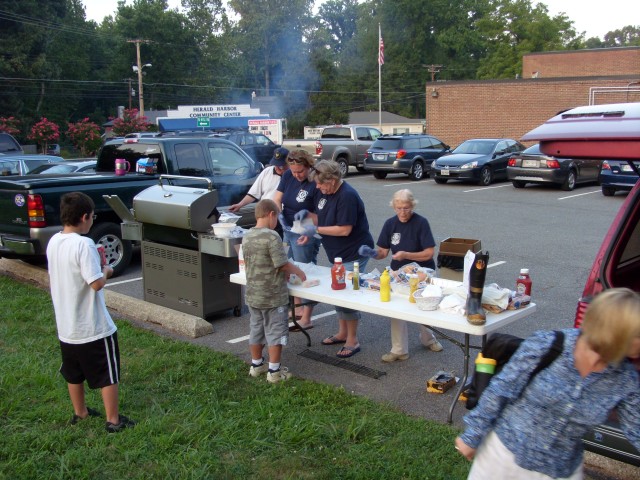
(117, 250)
(344, 166)
(570, 183)
(417, 171)
(439, 180)
(380, 175)
(486, 176)
(608, 191)
(519, 183)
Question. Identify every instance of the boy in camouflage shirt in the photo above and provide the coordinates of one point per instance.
(267, 269)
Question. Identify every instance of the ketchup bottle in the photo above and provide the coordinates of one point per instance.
(338, 275)
(523, 283)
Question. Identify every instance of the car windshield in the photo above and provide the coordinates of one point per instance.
(477, 147)
(55, 168)
(387, 144)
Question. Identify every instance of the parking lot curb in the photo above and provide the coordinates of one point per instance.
(121, 305)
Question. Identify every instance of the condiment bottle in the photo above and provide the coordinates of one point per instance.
(356, 276)
(413, 286)
(523, 283)
(338, 275)
(385, 286)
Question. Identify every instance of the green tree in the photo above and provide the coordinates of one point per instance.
(85, 135)
(44, 132)
(624, 37)
(514, 28)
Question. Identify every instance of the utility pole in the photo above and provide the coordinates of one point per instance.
(139, 70)
(130, 92)
(433, 69)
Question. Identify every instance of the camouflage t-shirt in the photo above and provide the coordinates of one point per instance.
(263, 256)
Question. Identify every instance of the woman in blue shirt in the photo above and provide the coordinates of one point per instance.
(535, 431)
(343, 225)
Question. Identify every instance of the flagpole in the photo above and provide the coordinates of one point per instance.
(380, 52)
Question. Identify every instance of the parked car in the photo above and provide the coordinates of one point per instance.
(409, 153)
(53, 149)
(617, 175)
(481, 160)
(9, 145)
(257, 146)
(24, 164)
(68, 166)
(611, 131)
(533, 166)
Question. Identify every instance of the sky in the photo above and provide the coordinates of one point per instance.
(595, 17)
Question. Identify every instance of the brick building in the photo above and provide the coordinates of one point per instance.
(459, 110)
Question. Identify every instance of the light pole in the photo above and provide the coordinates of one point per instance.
(138, 69)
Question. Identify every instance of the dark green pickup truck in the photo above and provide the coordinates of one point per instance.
(30, 204)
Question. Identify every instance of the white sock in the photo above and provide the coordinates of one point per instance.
(257, 363)
(274, 367)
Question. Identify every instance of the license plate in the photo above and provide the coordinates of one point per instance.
(530, 163)
(379, 157)
(444, 172)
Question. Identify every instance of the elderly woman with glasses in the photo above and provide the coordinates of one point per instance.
(295, 194)
(342, 222)
(408, 236)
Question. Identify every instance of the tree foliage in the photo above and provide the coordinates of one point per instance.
(320, 64)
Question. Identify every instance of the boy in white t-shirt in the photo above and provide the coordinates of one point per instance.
(87, 334)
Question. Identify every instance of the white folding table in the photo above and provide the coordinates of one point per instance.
(365, 300)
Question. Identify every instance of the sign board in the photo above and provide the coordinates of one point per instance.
(204, 122)
(271, 128)
(312, 133)
(214, 111)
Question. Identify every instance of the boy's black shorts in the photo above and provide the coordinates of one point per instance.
(97, 362)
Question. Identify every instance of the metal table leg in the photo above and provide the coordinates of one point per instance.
(292, 305)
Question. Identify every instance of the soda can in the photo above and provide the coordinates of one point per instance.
(103, 255)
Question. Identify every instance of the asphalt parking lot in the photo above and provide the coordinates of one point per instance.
(554, 233)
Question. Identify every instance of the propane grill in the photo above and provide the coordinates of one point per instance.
(184, 267)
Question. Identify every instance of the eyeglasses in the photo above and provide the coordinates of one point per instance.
(296, 160)
(94, 216)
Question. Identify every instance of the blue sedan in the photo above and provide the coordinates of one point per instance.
(481, 160)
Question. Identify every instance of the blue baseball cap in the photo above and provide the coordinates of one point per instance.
(279, 158)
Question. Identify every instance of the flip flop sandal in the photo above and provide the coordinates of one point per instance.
(332, 340)
(351, 351)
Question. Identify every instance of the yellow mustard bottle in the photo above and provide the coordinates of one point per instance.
(385, 286)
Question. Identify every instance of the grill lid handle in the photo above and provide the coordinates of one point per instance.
(184, 177)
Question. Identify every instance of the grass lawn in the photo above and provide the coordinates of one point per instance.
(200, 416)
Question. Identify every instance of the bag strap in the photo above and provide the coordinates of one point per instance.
(549, 357)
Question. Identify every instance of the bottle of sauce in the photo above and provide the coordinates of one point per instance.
(385, 286)
(356, 276)
(523, 283)
(338, 275)
(413, 286)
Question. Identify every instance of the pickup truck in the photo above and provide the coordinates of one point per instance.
(345, 144)
(30, 205)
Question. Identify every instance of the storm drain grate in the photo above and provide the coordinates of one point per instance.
(341, 363)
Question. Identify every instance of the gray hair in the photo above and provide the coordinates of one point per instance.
(404, 195)
(325, 171)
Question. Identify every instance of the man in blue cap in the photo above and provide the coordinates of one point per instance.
(267, 182)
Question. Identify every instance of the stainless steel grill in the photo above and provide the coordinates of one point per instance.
(184, 267)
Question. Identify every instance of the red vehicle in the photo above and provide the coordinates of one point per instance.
(591, 132)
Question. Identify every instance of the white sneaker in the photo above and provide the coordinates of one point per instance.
(256, 371)
(392, 357)
(435, 346)
(279, 375)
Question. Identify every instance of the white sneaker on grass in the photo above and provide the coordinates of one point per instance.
(256, 371)
(279, 375)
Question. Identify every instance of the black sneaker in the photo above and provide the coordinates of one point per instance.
(117, 427)
(92, 413)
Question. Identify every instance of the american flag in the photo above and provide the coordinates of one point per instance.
(381, 52)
